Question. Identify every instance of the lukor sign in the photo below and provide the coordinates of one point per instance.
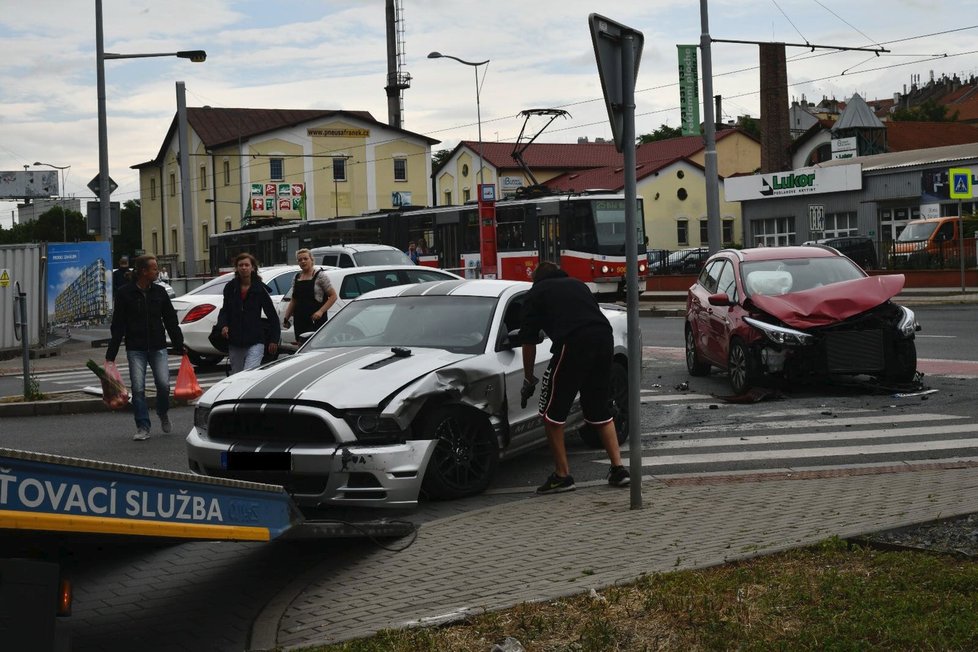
(806, 181)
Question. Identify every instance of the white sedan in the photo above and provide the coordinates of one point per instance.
(351, 282)
(407, 389)
(197, 310)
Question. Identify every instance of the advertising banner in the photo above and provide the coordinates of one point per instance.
(803, 181)
(689, 90)
(278, 199)
(79, 282)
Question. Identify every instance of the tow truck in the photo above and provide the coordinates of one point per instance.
(47, 502)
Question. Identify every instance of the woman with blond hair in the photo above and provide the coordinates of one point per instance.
(312, 296)
(240, 320)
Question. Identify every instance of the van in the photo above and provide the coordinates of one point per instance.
(933, 240)
(860, 249)
(359, 255)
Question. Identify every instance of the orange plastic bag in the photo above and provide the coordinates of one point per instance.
(114, 392)
(187, 387)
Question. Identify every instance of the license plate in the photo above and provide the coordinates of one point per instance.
(260, 461)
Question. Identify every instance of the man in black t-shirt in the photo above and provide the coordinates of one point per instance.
(583, 348)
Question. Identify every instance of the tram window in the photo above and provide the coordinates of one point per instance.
(510, 236)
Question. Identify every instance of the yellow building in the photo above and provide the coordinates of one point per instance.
(265, 165)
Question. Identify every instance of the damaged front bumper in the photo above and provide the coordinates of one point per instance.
(351, 475)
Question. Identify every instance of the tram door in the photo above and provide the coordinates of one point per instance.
(446, 241)
(549, 238)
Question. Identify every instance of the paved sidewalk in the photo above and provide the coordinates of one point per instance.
(545, 547)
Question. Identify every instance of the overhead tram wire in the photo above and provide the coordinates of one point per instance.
(803, 57)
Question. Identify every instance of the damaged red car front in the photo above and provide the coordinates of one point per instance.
(795, 312)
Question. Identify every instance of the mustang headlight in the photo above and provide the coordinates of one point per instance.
(371, 427)
(780, 334)
(201, 414)
(908, 322)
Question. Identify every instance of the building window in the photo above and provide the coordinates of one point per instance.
(156, 243)
(728, 236)
(773, 232)
(152, 189)
(448, 198)
(465, 169)
(704, 232)
(227, 225)
(204, 239)
(173, 185)
(227, 173)
(682, 194)
(838, 225)
(203, 177)
(682, 232)
(400, 169)
(173, 239)
(339, 169)
(276, 169)
(466, 195)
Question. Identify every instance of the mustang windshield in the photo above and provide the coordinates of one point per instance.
(457, 324)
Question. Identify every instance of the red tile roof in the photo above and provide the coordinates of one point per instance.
(219, 127)
(610, 178)
(580, 156)
(904, 136)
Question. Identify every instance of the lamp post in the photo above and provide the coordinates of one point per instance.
(478, 110)
(64, 220)
(197, 56)
(487, 200)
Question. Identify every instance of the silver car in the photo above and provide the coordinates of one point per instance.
(408, 390)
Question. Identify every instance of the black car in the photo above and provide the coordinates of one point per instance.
(682, 261)
(860, 249)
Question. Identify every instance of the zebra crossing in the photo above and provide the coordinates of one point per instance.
(750, 439)
(80, 379)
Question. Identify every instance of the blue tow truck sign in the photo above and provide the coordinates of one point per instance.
(49, 493)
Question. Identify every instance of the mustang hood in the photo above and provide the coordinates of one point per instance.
(831, 304)
(342, 377)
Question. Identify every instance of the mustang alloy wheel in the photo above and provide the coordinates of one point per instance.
(465, 458)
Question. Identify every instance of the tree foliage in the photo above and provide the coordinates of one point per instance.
(926, 111)
(439, 158)
(129, 242)
(53, 225)
(664, 132)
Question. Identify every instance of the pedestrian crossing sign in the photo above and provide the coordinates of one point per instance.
(960, 179)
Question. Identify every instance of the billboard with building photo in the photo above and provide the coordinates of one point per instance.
(79, 283)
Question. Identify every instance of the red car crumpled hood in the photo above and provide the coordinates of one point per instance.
(830, 304)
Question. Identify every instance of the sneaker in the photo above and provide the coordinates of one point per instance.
(142, 434)
(556, 484)
(165, 424)
(618, 476)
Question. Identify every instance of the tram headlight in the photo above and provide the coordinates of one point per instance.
(641, 268)
(605, 269)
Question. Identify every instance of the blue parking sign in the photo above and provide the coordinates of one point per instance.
(960, 179)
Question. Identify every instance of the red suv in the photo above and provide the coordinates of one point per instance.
(796, 311)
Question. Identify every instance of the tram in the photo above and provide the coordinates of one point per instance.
(584, 233)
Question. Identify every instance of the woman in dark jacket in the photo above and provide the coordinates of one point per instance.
(240, 320)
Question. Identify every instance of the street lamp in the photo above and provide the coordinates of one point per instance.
(101, 55)
(478, 110)
(486, 195)
(64, 220)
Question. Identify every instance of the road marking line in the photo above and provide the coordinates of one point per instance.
(803, 437)
(810, 423)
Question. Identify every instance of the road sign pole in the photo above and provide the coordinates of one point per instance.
(961, 243)
(105, 219)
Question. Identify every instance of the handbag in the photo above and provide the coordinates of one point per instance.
(217, 340)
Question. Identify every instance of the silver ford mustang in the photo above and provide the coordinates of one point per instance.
(406, 390)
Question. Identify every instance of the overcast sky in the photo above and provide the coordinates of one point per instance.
(300, 54)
